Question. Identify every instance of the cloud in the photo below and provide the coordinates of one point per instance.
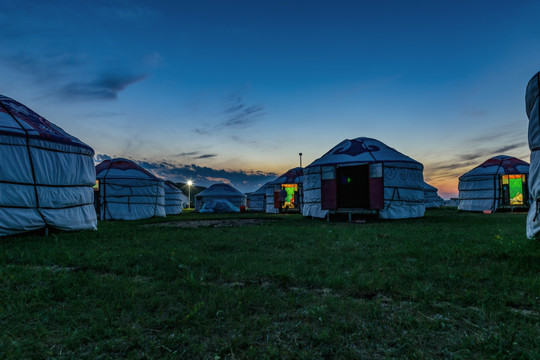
(237, 114)
(106, 87)
(202, 175)
(101, 157)
(45, 67)
(195, 155)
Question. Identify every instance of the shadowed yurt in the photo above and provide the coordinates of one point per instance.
(221, 195)
(128, 192)
(499, 181)
(363, 175)
(285, 193)
(173, 199)
(432, 200)
(46, 175)
(532, 107)
(257, 199)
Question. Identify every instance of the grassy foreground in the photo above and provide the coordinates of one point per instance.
(451, 285)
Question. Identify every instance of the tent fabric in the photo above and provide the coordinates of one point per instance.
(46, 174)
(257, 199)
(219, 206)
(220, 191)
(292, 176)
(403, 182)
(479, 188)
(431, 199)
(128, 192)
(173, 199)
(532, 107)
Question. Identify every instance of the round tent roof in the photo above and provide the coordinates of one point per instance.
(170, 187)
(428, 187)
(293, 176)
(18, 120)
(362, 150)
(121, 168)
(220, 190)
(499, 165)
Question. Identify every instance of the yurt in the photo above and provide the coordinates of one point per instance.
(432, 200)
(499, 181)
(46, 175)
(364, 175)
(257, 199)
(128, 192)
(173, 199)
(285, 193)
(220, 191)
(532, 106)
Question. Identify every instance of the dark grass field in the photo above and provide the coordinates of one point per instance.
(451, 285)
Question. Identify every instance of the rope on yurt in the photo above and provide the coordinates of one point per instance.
(367, 149)
(27, 136)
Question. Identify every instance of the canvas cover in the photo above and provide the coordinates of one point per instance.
(257, 199)
(220, 191)
(431, 199)
(128, 192)
(46, 175)
(219, 206)
(479, 188)
(403, 182)
(532, 107)
(292, 176)
(173, 199)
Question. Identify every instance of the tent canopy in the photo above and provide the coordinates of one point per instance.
(364, 174)
(18, 120)
(293, 176)
(46, 174)
(363, 150)
(220, 190)
(129, 192)
(498, 181)
(121, 168)
(499, 165)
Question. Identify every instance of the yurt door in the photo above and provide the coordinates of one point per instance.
(328, 188)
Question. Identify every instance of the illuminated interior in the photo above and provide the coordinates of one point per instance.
(513, 186)
(96, 185)
(290, 190)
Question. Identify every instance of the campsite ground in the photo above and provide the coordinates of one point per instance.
(450, 285)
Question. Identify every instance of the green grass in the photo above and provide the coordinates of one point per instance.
(451, 285)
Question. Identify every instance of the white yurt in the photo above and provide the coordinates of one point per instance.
(499, 181)
(173, 199)
(257, 199)
(220, 191)
(46, 175)
(432, 200)
(364, 175)
(128, 192)
(285, 193)
(532, 106)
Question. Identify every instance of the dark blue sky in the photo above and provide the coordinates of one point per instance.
(246, 85)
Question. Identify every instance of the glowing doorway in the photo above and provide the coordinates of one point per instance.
(513, 189)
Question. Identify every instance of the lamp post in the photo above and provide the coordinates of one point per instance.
(189, 183)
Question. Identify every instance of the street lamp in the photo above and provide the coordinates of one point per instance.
(189, 183)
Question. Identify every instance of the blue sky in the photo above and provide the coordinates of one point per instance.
(234, 90)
